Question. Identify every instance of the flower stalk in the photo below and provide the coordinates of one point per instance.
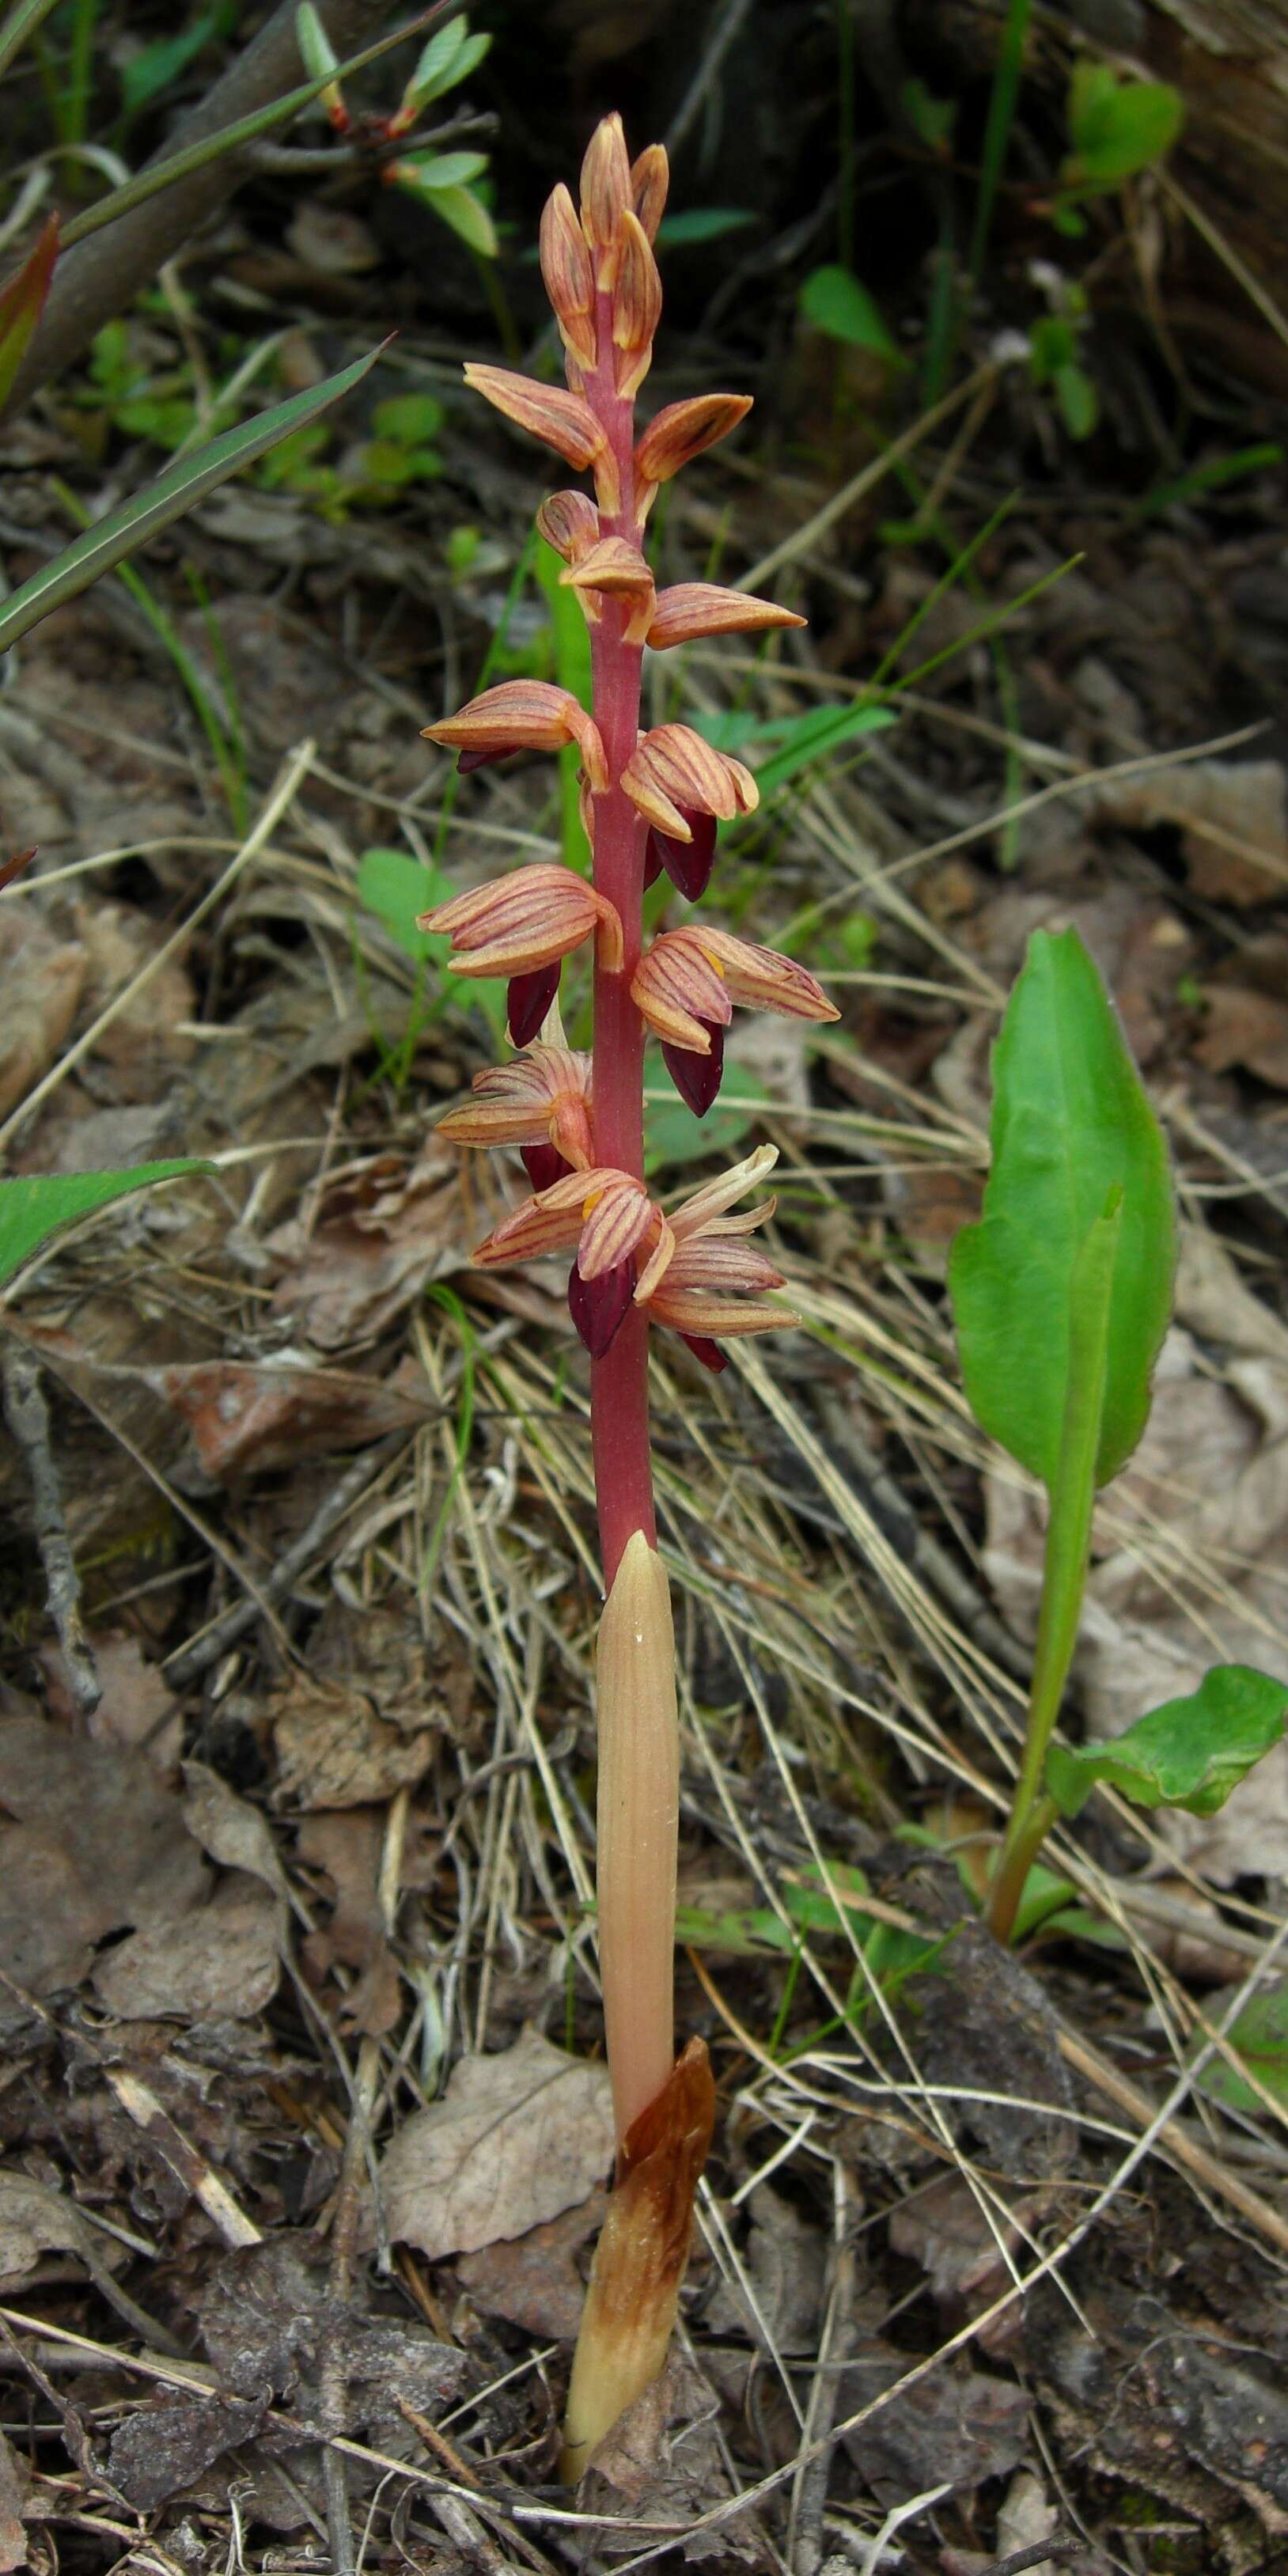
(651, 802)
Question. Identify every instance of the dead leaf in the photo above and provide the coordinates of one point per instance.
(945, 2230)
(378, 1242)
(346, 1845)
(1246, 1021)
(161, 2447)
(267, 2320)
(664, 2456)
(956, 2425)
(36, 2220)
(333, 242)
(136, 1707)
(218, 1964)
(41, 980)
(1232, 817)
(97, 1843)
(246, 1418)
(13, 2490)
(142, 1041)
(517, 2138)
(336, 1750)
(533, 2279)
(229, 1828)
(786, 2264)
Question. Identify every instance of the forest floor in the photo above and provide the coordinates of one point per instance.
(303, 2114)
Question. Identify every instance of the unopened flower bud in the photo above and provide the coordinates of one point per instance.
(519, 923)
(672, 773)
(605, 194)
(522, 715)
(650, 178)
(618, 570)
(569, 277)
(637, 305)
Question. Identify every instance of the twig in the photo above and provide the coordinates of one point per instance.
(27, 1415)
(728, 22)
(809, 2492)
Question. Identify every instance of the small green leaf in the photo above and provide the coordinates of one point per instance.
(448, 59)
(702, 224)
(412, 419)
(41, 1204)
(932, 119)
(317, 53)
(446, 169)
(1190, 1753)
(152, 69)
(458, 207)
(1071, 1124)
(1260, 2035)
(396, 889)
(672, 1133)
(835, 301)
(1078, 400)
(1116, 127)
(174, 492)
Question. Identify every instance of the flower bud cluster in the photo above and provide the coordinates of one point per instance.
(652, 805)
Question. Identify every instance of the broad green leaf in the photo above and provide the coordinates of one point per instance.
(1261, 2037)
(673, 1135)
(1190, 1753)
(1117, 127)
(835, 301)
(22, 302)
(177, 490)
(702, 224)
(41, 1204)
(1071, 1124)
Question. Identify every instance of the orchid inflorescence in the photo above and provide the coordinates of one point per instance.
(651, 803)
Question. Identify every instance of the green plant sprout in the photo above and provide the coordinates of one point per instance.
(1061, 1295)
(1117, 129)
(446, 182)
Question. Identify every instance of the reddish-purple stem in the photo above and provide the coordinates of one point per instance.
(619, 1382)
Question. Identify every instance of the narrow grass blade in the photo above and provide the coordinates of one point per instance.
(21, 23)
(139, 518)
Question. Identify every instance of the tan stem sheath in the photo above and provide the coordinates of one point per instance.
(639, 1800)
(640, 2258)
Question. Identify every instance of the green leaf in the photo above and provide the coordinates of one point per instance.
(1190, 1753)
(41, 1204)
(834, 301)
(22, 22)
(448, 59)
(1078, 400)
(702, 224)
(805, 739)
(412, 420)
(317, 53)
(932, 119)
(396, 888)
(1116, 127)
(446, 169)
(1260, 2035)
(153, 68)
(174, 492)
(1071, 1124)
(673, 1135)
(460, 208)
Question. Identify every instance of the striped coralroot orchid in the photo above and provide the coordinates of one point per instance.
(651, 801)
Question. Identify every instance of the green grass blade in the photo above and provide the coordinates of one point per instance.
(175, 491)
(20, 24)
(1001, 117)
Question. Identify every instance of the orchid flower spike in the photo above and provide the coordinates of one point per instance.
(650, 801)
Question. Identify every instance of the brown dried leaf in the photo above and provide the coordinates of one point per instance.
(533, 2280)
(36, 2220)
(346, 1845)
(956, 2425)
(13, 2489)
(1246, 1020)
(246, 1419)
(229, 1828)
(142, 1040)
(336, 1750)
(162, 2447)
(41, 979)
(517, 2138)
(378, 1243)
(1232, 816)
(97, 1843)
(219, 1964)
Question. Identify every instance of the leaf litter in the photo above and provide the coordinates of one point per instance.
(380, 1840)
